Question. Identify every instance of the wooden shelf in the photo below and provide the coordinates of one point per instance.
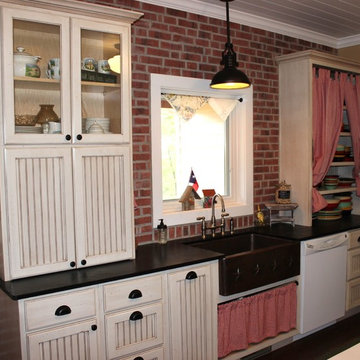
(345, 133)
(343, 163)
(102, 84)
(337, 190)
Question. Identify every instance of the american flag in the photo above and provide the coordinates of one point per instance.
(192, 181)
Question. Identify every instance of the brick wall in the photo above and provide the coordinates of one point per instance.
(173, 42)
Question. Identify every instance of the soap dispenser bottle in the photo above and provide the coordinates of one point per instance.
(162, 232)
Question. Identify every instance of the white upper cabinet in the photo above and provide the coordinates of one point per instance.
(108, 98)
(63, 62)
(42, 35)
(66, 190)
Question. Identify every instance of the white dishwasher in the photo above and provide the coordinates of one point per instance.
(322, 281)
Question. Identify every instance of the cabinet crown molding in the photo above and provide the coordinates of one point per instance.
(80, 8)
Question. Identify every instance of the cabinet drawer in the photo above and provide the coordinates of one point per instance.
(353, 263)
(132, 292)
(354, 239)
(134, 330)
(352, 294)
(155, 354)
(58, 309)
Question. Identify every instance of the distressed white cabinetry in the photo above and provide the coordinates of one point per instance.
(134, 318)
(66, 184)
(165, 315)
(193, 295)
(353, 270)
(61, 326)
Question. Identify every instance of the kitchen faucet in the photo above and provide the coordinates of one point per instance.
(213, 226)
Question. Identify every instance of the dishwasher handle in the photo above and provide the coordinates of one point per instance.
(326, 244)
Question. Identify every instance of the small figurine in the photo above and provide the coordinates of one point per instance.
(260, 218)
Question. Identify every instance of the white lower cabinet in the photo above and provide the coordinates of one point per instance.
(353, 271)
(75, 341)
(168, 315)
(193, 295)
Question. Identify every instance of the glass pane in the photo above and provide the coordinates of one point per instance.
(100, 75)
(198, 143)
(37, 77)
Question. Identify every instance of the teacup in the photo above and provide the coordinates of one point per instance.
(88, 64)
(53, 73)
(54, 62)
(103, 67)
(54, 127)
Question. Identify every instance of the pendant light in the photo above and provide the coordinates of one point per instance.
(229, 77)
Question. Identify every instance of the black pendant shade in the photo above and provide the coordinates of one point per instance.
(229, 77)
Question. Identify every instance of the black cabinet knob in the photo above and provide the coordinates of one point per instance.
(135, 294)
(83, 262)
(191, 275)
(62, 310)
(139, 358)
(68, 137)
(73, 264)
(136, 315)
(78, 136)
(358, 239)
(93, 327)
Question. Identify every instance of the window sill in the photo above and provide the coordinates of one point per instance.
(175, 216)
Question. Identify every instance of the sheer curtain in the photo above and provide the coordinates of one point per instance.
(328, 99)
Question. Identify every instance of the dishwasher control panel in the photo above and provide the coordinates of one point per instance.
(324, 243)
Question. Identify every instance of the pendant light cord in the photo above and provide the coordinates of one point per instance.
(228, 22)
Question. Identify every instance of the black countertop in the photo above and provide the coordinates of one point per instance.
(155, 257)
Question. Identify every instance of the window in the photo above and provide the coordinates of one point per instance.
(217, 148)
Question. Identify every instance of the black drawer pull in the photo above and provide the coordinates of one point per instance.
(139, 358)
(191, 275)
(135, 294)
(93, 327)
(68, 137)
(62, 310)
(358, 239)
(136, 315)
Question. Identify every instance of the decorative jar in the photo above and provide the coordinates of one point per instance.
(46, 114)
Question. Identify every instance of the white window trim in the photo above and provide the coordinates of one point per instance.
(240, 202)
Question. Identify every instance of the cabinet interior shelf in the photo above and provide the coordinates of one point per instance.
(337, 191)
(343, 163)
(345, 133)
(44, 83)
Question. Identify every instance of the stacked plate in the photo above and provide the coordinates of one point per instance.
(331, 182)
(28, 129)
(329, 214)
(345, 204)
(103, 122)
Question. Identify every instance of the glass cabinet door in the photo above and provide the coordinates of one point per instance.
(101, 82)
(37, 81)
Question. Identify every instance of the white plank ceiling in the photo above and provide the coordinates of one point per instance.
(334, 23)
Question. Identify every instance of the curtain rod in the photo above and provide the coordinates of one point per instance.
(335, 69)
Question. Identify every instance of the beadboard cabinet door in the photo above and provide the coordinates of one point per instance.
(193, 313)
(40, 208)
(75, 341)
(103, 193)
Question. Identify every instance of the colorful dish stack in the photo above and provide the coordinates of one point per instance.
(331, 182)
(345, 182)
(340, 153)
(338, 206)
(345, 204)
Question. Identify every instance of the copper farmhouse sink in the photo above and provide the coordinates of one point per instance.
(252, 260)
